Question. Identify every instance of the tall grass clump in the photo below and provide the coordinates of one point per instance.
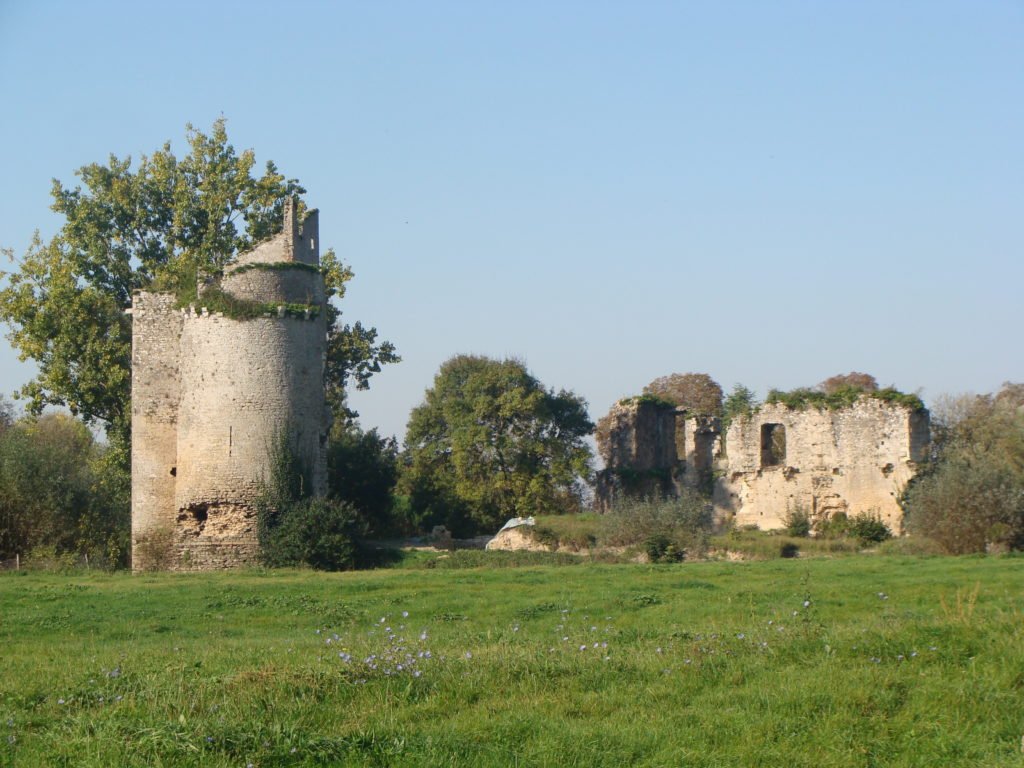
(668, 529)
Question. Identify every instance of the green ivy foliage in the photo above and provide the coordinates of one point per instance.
(648, 399)
(806, 397)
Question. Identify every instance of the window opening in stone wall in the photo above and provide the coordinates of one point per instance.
(773, 445)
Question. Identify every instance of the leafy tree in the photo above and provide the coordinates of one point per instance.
(863, 382)
(156, 226)
(489, 442)
(362, 469)
(698, 393)
(741, 402)
(54, 491)
(970, 496)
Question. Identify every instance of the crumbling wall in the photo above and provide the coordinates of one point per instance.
(638, 444)
(853, 460)
(297, 241)
(701, 447)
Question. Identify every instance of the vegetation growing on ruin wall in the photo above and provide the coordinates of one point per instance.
(806, 397)
(218, 301)
(648, 399)
(698, 393)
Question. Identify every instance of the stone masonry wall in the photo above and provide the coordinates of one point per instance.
(156, 326)
(639, 452)
(297, 241)
(290, 286)
(244, 385)
(852, 460)
(701, 441)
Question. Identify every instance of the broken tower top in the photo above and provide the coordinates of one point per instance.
(297, 241)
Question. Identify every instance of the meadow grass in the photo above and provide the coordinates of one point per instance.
(893, 661)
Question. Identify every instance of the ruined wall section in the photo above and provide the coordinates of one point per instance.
(156, 325)
(851, 460)
(701, 440)
(639, 452)
(297, 241)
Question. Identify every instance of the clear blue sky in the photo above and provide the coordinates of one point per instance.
(769, 192)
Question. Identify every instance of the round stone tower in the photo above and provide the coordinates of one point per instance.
(247, 378)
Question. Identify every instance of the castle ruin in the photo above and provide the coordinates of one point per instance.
(768, 464)
(214, 393)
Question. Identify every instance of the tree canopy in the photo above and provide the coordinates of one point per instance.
(864, 382)
(970, 495)
(56, 491)
(698, 393)
(489, 442)
(154, 226)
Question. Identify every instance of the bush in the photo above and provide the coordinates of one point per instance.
(970, 498)
(789, 549)
(296, 529)
(317, 532)
(965, 506)
(683, 523)
(661, 549)
(868, 529)
(798, 523)
(834, 527)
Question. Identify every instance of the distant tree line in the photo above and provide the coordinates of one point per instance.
(61, 491)
(969, 496)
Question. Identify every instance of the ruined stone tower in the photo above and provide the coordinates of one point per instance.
(213, 393)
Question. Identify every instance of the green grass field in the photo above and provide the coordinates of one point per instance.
(891, 661)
